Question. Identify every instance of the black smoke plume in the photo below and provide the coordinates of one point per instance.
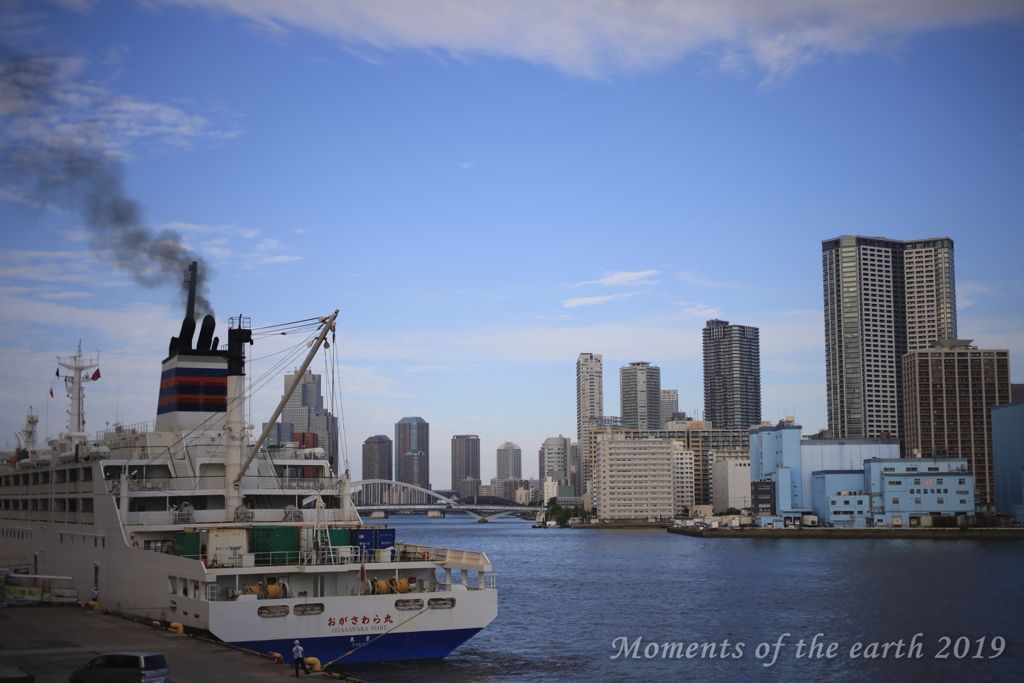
(66, 167)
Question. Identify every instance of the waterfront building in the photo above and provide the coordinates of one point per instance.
(732, 375)
(949, 390)
(633, 479)
(305, 412)
(465, 459)
(700, 437)
(778, 454)
(510, 461)
(762, 498)
(555, 487)
(377, 458)
(883, 298)
(589, 409)
(683, 488)
(526, 497)
(1016, 393)
(669, 405)
(412, 447)
(1008, 459)
(730, 480)
(919, 491)
(640, 395)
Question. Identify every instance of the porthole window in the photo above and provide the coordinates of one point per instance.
(409, 604)
(441, 603)
(309, 608)
(273, 611)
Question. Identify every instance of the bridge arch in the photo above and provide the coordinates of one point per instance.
(483, 513)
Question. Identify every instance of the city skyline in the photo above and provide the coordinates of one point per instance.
(294, 158)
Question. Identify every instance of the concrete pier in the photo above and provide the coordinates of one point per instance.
(51, 642)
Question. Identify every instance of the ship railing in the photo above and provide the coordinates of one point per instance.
(124, 430)
(169, 484)
(161, 517)
(325, 486)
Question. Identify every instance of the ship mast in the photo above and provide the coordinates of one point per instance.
(77, 365)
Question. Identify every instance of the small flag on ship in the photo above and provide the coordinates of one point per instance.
(51, 392)
(96, 375)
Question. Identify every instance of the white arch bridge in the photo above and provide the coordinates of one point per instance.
(372, 495)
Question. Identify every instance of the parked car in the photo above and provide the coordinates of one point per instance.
(118, 667)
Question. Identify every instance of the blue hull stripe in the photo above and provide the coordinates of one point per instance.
(386, 648)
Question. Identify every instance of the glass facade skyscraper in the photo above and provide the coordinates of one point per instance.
(883, 298)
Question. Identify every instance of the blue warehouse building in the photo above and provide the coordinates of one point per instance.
(917, 492)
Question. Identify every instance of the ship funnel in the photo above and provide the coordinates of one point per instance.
(205, 334)
(188, 328)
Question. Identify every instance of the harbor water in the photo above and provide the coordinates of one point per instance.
(573, 604)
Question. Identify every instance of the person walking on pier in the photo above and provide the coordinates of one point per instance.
(299, 657)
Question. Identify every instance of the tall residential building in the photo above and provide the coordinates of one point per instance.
(669, 405)
(412, 451)
(465, 459)
(949, 391)
(640, 395)
(377, 458)
(555, 456)
(883, 298)
(510, 461)
(732, 375)
(305, 412)
(589, 409)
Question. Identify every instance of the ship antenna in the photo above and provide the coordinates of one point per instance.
(191, 275)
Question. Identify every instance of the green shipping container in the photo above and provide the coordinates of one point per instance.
(285, 539)
(340, 537)
(274, 544)
(187, 543)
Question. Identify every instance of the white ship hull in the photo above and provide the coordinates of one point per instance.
(183, 523)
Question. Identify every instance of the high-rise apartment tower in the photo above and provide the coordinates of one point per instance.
(640, 395)
(377, 458)
(669, 404)
(589, 408)
(883, 298)
(510, 461)
(465, 458)
(412, 451)
(732, 375)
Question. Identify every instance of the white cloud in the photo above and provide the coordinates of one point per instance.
(466, 165)
(593, 300)
(597, 37)
(692, 278)
(698, 309)
(624, 278)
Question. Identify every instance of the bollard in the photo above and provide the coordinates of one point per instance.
(175, 627)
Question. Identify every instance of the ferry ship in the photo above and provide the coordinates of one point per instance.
(189, 520)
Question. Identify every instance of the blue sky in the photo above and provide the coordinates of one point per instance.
(487, 189)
